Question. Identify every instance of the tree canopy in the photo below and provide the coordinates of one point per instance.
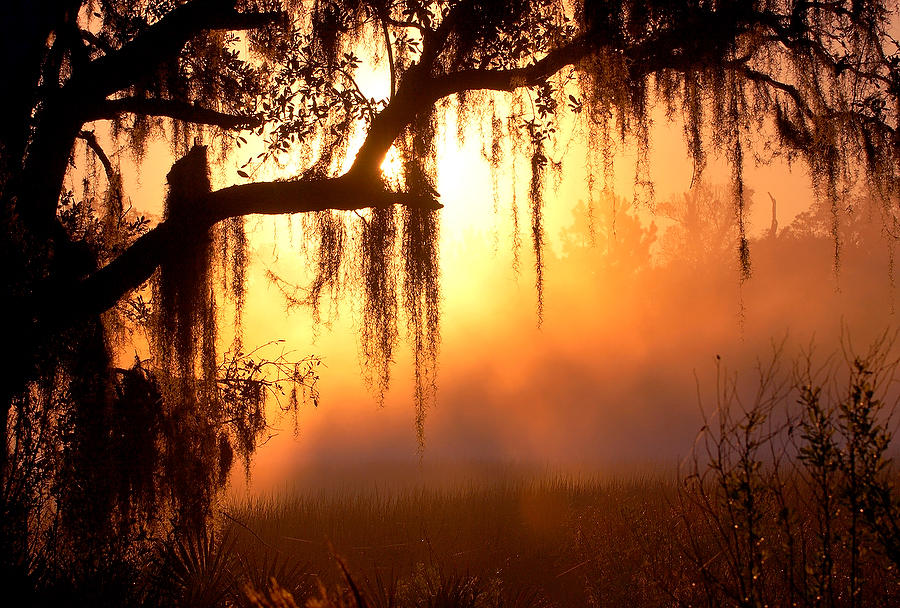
(808, 80)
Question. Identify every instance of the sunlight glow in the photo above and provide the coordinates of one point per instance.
(392, 167)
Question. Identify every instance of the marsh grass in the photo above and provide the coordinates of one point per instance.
(512, 542)
(789, 499)
(713, 539)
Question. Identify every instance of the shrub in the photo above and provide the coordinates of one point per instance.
(790, 499)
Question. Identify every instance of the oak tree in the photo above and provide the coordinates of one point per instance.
(809, 80)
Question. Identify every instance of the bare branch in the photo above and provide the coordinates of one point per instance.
(91, 139)
(347, 192)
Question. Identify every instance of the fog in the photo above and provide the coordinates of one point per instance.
(643, 309)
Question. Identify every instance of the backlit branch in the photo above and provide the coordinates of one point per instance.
(347, 192)
(515, 78)
(390, 53)
(405, 24)
(358, 189)
(164, 39)
(95, 41)
(171, 108)
(788, 89)
(91, 139)
(433, 43)
(101, 290)
(361, 187)
(63, 115)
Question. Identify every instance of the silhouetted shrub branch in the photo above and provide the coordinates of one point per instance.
(791, 499)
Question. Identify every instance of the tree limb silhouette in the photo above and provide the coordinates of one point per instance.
(172, 108)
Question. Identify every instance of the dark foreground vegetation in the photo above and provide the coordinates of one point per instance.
(790, 499)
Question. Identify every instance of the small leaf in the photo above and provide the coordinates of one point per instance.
(243, 174)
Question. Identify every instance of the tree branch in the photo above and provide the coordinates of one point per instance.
(345, 193)
(95, 41)
(101, 290)
(358, 189)
(790, 90)
(63, 114)
(390, 51)
(161, 41)
(418, 91)
(361, 187)
(433, 43)
(514, 78)
(406, 24)
(91, 139)
(172, 108)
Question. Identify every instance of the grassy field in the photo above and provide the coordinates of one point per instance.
(499, 540)
(732, 532)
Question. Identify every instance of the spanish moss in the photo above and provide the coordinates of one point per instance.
(378, 334)
(536, 197)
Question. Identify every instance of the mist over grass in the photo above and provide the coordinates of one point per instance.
(508, 533)
(637, 308)
(788, 497)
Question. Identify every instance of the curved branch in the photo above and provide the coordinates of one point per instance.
(91, 139)
(62, 117)
(161, 41)
(788, 89)
(419, 91)
(361, 187)
(514, 78)
(179, 110)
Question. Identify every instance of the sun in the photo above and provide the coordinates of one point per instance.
(392, 167)
(465, 184)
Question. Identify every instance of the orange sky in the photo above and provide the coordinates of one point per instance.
(609, 379)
